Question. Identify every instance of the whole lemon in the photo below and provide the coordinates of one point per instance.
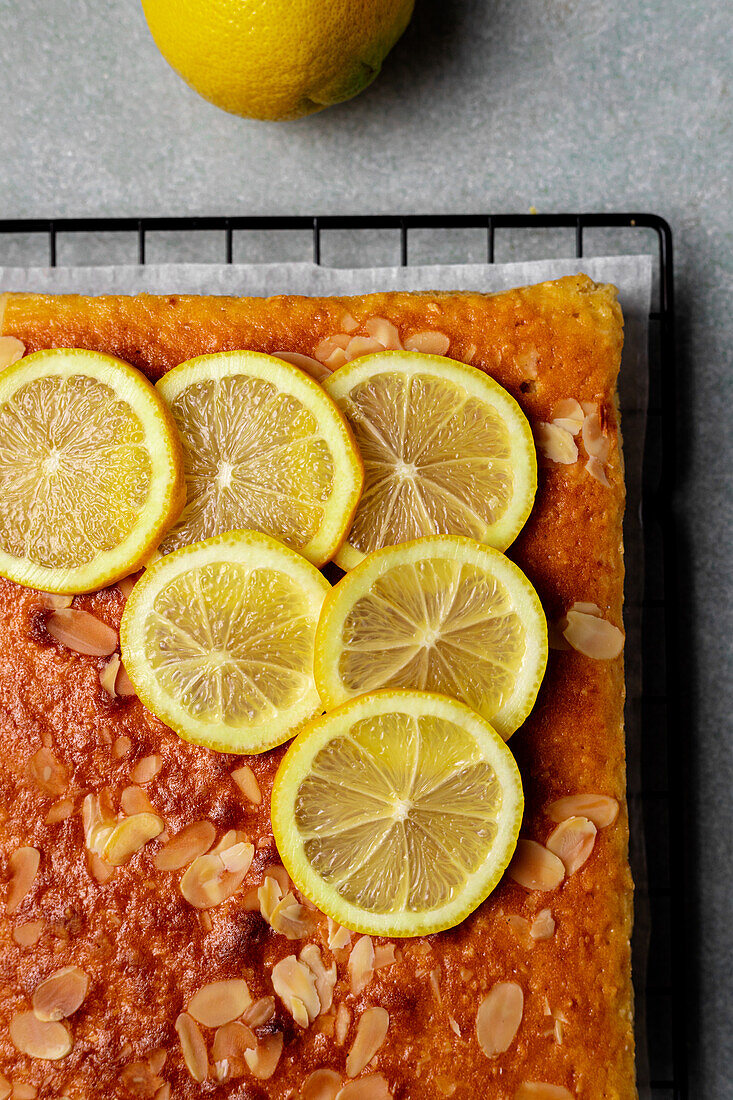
(276, 59)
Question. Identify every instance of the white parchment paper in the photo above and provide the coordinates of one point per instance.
(633, 277)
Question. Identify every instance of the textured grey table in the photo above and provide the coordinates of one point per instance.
(482, 107)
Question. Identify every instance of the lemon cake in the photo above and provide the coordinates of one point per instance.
(178, 959)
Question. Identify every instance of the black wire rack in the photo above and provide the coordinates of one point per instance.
(520, 237)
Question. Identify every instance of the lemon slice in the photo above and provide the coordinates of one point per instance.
(442, 614)
(90, 467)
(397, 813)
(446, 451)
(217, 640)
(265, 449)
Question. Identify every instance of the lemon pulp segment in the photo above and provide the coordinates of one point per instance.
(91, 470)
(218, 639)
(264, 449)
(397, 813)
(446, 450)
(443, 614)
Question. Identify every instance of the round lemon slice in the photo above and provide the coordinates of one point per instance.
(90, 467)
(217, 640)
(442, 614)
(446, 451)
(264, 448)
(397, 813)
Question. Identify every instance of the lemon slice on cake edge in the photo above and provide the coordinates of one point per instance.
(217, 639)
(264, 449)
(91, 470)
(444, 614)
(397, 813)
(446, 450)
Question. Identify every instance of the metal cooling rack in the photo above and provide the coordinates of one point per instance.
(518, 237)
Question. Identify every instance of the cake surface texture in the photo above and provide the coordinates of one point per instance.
(146, 951)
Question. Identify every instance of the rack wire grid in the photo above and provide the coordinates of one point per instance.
(493, 238)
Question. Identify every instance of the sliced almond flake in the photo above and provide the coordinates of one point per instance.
(362, 345)
(281, 876)
(163, 1093)
(328, 345)
(295, 984)
(292, 919)
(47, 772)
(101, 870)
(121, 747)
(342, 1024)
(384, 955)
(469, 354)
(336, 359)
(325, 979)
(23, 864)
(205, 920)
(498, 1018)
(246, 780)
(322, 1084)
(372, 1087)
(445, 1085)
(263, 1060)
(428, 342)
(123, 684)
(589, 407)
(266, 841)
(146, 768)
(596, 443)
(259, 1012)
(193, 1047)
(534, 867)
(543, 926)
(384, 331)
(349, 323)
(572, 841)
(156, 1059)
(82, 632)
(601, 809)
(230, 1042)
(338, 937)
(597, 470)
(218, 1003)
(520, 926)
(52, 601)
(371, 1031)
(454, 1025)
(134, 800)
(540, 1090)
(60, 811)
(61, 994)
(527, 361)
(28, 934)
(306, 363)
(39, 1038)
(435, 985)
(593, 637)
(587, 608)
(11, 350)
(108, 675)
(238, 857)
(568, 414)
(131, 835)
(269, 893)
(207, 882)
(230, 838)
(98, 818)
(361, 964)
(556, 443)
(193, 840)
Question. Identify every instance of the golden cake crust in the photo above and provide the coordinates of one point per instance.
(145, 949)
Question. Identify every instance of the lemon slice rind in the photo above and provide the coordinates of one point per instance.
(254, 552)
(476, 384)
(166, 493)
(297, 764)
(332, 426)
(462, 551)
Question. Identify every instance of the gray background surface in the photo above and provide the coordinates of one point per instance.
(483, 106)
